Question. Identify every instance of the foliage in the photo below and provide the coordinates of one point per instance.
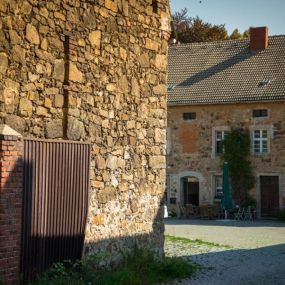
(237, 152)
(187, 29)
(172, 213)
(235, 35)
(140, 267)
(281, 215)
(194, 242)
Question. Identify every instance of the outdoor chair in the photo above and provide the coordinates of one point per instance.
(204, 212)
(196, 210)
(239, 216)
(215, 212)
(182, 211)
(189, 210)
(248, 214)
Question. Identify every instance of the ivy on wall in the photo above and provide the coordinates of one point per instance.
(237, 153)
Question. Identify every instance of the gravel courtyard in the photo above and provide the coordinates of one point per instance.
(249, 253)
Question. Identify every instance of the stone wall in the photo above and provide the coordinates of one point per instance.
(192, 145)
(95, 71)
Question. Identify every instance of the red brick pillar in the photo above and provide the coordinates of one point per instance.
(11, 187)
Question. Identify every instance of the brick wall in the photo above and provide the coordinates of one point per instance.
(11, 148)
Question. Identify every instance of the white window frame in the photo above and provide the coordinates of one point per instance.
(215, 192)
(260, 139)
(222, 129)
(269, 130)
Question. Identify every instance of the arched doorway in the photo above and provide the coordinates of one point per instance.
(190, 190)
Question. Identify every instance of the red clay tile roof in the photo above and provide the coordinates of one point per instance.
(226, 72)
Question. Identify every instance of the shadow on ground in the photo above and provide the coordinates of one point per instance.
(262, 266)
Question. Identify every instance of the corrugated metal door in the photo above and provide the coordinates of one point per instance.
(55, 203)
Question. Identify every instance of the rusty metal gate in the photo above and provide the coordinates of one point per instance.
(55, 203)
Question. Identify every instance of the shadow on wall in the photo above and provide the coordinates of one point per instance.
(53, 227)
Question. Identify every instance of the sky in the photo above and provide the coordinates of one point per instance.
(240, 14)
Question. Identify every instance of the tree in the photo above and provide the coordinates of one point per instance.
(187, 29)
(235, 35)
(237, 152)
(245, 34)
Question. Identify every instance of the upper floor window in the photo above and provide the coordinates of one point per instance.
(260, 141)
(259, 113)
(189, 116)
(219, 138)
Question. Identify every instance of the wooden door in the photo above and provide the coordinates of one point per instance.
(269, 195)
(191, 192)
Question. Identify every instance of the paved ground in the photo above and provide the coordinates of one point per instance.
(257, 256)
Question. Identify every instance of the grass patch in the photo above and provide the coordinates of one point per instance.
(194, 241)
(140, 267)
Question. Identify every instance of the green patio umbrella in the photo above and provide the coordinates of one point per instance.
(226, 202)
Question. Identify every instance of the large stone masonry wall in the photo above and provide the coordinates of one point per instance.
(95, 71)
(191, 144)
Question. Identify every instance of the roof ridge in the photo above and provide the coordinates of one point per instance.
(221, 42)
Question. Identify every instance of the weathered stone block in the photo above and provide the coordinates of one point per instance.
(151, 44)
(106, 195)
(54, 129)
(15, 122)
(123, 84)
(18, 54)
(75, 129)
(75, 74)
(159, 89)
(41, 111)
(143, 60)
(157, 162)
(159, 135)
(112, 5)
(59, 69)
(26, 107)
(58, 100)
(95, 39)
(3, 62)
(161, 62)
(32, 34)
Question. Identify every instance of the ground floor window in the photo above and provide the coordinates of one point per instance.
(191, 191)
(218, 186)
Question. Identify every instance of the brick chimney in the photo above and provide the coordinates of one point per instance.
(258, 39)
